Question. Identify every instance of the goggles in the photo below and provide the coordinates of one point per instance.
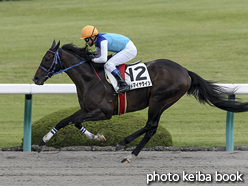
(87, 39)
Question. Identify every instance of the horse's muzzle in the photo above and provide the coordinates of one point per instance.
(39, 81)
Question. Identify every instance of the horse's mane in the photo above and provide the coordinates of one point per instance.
(81, 52)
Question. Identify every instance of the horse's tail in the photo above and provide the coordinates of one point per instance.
(208, 92)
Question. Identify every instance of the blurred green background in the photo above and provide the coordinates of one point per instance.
(207, 37)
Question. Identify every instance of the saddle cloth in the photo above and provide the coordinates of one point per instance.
(136, 76)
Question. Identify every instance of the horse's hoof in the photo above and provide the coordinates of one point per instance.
(126, 160)
(119, 147)
(101, 137)
(42, 146)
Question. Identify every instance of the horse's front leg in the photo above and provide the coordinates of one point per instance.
(74, 118)
(94, 115)
(67, 121)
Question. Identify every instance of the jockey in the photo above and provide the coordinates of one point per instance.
(123, 47)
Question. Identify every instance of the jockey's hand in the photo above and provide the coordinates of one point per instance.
(89, 58)
(109, 56)
(90, 53)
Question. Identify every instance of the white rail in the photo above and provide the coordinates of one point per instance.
(71, 88)
(30, 89)
(37, 89)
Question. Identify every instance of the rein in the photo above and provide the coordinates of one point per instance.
(51, 70)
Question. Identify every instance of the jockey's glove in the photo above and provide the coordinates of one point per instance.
(88, 58)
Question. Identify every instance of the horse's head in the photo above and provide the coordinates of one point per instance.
(49, 65)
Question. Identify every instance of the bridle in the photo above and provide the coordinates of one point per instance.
(52, 70)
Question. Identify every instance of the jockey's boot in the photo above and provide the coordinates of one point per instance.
(124, 87)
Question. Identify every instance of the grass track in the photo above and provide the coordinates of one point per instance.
(207, 37)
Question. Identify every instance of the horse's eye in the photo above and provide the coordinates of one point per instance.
(47, 59)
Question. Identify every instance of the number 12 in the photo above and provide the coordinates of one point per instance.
(138, 77)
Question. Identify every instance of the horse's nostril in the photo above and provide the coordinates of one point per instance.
(35, 78)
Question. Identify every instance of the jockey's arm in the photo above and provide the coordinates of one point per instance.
(101, 53)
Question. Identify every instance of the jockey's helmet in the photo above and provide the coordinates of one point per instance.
(88, 31)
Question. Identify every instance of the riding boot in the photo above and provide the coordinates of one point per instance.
(124, 87)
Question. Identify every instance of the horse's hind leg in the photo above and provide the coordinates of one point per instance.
(128, 139)
(151, 125)
(150, 129)
(154, 113)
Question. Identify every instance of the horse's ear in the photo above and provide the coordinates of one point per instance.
(54, 43)
(57, 46)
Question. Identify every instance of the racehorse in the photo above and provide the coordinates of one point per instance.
(98, 100)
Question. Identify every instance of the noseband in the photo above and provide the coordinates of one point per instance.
(51, 71)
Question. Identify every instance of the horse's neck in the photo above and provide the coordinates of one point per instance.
(78, 74)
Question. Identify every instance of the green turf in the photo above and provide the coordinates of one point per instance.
(207, 37)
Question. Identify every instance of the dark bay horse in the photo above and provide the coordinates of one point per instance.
(98, 100)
